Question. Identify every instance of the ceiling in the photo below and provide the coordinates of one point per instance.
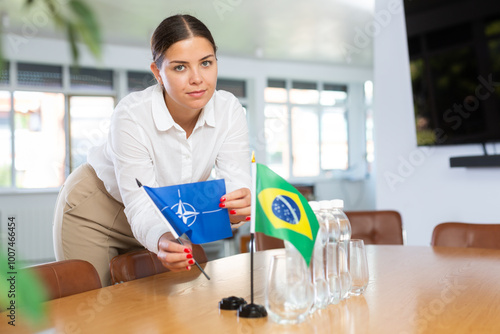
(313, 30)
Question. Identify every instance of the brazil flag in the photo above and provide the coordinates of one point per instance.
(282, 212)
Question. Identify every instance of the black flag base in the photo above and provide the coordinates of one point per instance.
(252, 311)
(231, 303)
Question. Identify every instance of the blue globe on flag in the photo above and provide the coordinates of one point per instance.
(286, 209)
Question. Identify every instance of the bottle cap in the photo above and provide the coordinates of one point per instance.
(325, 205)
(337, 203)
(314, 205)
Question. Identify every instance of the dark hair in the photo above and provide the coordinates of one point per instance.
(174, 29)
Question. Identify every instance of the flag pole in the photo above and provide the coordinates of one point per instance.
(252, 221)
(252, 310)
(196, 263)
(172, 230)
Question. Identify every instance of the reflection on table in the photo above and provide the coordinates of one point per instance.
(411, 290)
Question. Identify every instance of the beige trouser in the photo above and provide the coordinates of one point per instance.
(89, 224)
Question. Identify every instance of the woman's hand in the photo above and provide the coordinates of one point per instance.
(238, 204)
(173, 255)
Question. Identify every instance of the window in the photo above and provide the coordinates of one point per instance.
(137, 81)
(42, 120)
(370, 146)
(90, 121)
(91, 79)
(39, 139)
(5, 140)
(305, 127)
(35, 75)
(50, 116)
(237, 87)
(4, 74)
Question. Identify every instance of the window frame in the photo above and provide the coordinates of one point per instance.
(119, 90)
(67, 91)
(324, 174)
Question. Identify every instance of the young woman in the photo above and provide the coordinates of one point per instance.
(171, 133)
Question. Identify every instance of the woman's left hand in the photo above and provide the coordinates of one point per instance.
(238, 204)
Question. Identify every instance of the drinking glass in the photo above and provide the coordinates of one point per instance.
(358, 266)
(343, 264)
(289, 292)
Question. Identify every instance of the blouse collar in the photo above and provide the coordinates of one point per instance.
(164, 121)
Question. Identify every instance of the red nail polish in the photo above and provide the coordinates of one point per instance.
(191, 261)
(188, 268)
(233, 212)
(222, 199)
(248, 218)
(222, 205)
(187, 250)
(189, 256)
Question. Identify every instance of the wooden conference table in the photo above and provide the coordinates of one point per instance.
(411, 290)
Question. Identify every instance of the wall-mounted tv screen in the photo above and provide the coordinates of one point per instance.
(454, 49)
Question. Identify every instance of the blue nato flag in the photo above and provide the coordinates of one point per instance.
(193, 209)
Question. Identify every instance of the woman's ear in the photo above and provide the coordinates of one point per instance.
(156, 72)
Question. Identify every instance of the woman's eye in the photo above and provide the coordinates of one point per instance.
(179, 68)
(206, 63)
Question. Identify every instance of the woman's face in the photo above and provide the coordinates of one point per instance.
(188, 74)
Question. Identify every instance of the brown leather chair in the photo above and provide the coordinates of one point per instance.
(143, 263)
(264, 242)
(381, 227)
(452, 234)
(68, 277)
(373, 227)
(245, 243)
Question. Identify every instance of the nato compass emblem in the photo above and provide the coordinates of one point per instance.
(187, 212)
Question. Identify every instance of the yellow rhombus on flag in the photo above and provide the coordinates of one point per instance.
(282, 212)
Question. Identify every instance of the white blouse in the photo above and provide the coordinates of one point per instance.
(145, 143)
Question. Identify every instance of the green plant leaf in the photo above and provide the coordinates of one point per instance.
(71, 35)
(79, 23)
(22, 292)
(87, 26)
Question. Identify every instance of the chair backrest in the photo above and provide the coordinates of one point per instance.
(245, 243)
(452, 234)
(68, 277)
(264, 242)
(383, 227)
(373, 227)
(143, 263)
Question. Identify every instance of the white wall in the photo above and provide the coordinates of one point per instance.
(33, 210)
(417, 181)
(32, 214)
